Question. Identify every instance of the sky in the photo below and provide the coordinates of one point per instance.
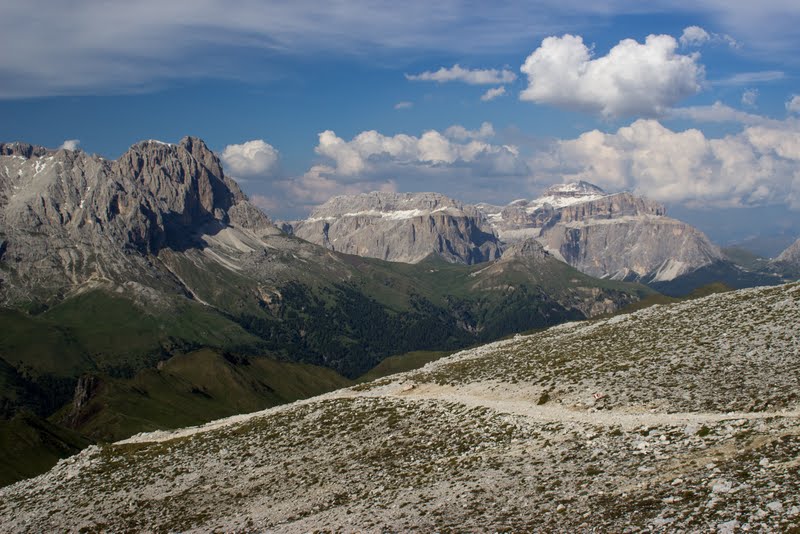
(694, 104)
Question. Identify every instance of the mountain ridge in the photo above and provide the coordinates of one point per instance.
(618, 235)
(112, 271)
(405, 227)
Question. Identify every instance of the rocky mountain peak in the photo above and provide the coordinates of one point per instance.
(23, 150)
(405, 227)
(618, 235)
(574, 189)
(184, 178)
(388, 204)
(155, 195)
(791, 255)
(529, 248)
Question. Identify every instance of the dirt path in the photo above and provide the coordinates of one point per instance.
(554, 412)
(480, 395)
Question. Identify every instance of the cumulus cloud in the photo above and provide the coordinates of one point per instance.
(694, 36)
(320, 183)
(458, 160)
(456, 73)
(252, 158)
(793, 104)
(371, 151)
(491, 94)
(404, 105)
(749, 98)
(758, 166)
(460, 133)
(719, 112)
(70, 144)
(632, 79)
(697, 36)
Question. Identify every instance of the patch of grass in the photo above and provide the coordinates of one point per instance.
(168, 397)
(401, 363)
(30, 445)
(120, 336)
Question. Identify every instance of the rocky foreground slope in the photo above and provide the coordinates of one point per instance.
(406, 227)
(673, 418)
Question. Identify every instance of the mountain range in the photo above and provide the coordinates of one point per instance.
(148, 293)
(612, 236)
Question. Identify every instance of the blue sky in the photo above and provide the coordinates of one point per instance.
(304, 100)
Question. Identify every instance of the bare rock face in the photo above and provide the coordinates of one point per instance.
(645, 247)
(618, 236)
(67, 217)
(404, 227)
(791, 255)
(529, 249)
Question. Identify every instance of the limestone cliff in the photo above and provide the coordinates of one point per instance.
(403, 227)
(620, 236)
(67, 217)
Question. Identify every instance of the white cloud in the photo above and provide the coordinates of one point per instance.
(633, 79)
(70, 144)
(267, 204)
(758, 166)
(746, 78)
(697, 36)
(749, 97)
(793, 104)
(251, 158)
(404, 105)
(456, 73)
(694, 36)
(460, 133)
(320, 183)
(493, 93)
(371, 153)
(91, 47)
(719, 112)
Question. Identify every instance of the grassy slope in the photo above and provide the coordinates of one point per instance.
(197, 387)
(30, 445)
(29, 342)
(724, 272)
(118, 334)
(745, 258)
(401, 363)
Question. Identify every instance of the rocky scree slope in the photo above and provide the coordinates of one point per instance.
(673, 418)
(404, 227)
